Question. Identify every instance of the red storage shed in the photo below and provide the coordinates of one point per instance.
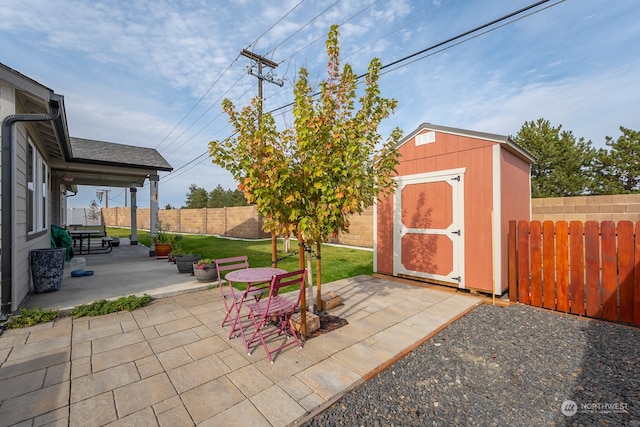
(448, 221)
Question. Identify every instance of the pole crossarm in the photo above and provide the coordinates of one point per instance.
(258, 58)
(261, 60)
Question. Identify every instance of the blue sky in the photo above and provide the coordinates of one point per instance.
(154, 73)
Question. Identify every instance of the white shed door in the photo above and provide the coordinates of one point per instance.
(428, 226)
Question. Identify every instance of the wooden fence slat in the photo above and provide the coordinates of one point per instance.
(523, 262)
(548, 265)
(636, 284)
(592, 264)
(535, 232)
(513, 260)
(585, 269)
(626, 261)
(562, 266)
(576, 254)
(609, 271)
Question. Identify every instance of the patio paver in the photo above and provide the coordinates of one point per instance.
(171, 363)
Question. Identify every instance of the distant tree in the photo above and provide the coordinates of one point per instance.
(617, 169)
(94, 211)
(220, 198)
(168, 207)
(197, 197)
(563, 163)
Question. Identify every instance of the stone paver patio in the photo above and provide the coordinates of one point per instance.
(171, 364)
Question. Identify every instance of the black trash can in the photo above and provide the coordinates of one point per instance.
(47, 269)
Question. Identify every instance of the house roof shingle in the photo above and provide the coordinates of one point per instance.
(109, 153)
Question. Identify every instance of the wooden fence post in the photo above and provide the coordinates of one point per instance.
(626, 260)
(576, 254)
(523, 262)
(548, 265)
(609, 271)
(592, 261)
(562, 266)
(513, 262)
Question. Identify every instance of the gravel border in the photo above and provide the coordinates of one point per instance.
(505, 366)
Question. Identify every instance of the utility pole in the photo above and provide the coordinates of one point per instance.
(106, 192)
(260, 61)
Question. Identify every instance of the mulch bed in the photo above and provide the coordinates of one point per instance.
(328, 323)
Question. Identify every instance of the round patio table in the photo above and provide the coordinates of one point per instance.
(254, 275)
(258, 280)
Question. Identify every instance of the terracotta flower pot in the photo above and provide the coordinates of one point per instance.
(162, 250)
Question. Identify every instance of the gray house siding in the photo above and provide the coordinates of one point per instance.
(22, 284)
(42, 121)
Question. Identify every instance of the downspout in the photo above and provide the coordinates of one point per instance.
(6, 251)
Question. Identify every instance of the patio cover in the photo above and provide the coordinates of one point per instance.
(109, 164)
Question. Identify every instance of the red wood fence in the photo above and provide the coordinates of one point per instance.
(589, 269)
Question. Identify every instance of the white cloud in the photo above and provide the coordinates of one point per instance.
(131, 71)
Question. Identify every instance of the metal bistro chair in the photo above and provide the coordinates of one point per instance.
(230, 295)
(271, 316)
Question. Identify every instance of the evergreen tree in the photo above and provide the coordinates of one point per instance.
(220, 198)
(618, 169)
(197, 197)
(563, 163)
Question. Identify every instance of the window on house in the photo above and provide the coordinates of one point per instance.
(37, 186)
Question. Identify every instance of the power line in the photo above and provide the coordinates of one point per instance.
(198, 102)
(429, 12)
(274, 24)
(459, 36)
(213, 84)
(202, 115)
(466, 33)
(436, 46)
(474, 36)
(302, 28)
(270, 52)
(324, 35)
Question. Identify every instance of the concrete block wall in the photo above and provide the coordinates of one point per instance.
(244, 221)
(240, 222)
(217, 220)
(619, 207)
(360, 231)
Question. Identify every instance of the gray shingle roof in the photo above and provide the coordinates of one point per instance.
(109, 153)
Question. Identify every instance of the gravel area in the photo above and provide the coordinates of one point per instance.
(505, 366)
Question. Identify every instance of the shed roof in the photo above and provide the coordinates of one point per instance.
(505, 141)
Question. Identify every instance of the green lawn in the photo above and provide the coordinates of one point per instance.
(337, 262)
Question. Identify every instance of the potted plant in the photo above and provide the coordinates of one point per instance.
(184, 262)
(205, 270)
(162, 242)
(176, 248)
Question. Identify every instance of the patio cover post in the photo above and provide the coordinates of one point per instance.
(153, 211)
(134, 216)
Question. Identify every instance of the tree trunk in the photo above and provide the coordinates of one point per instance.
(310, 281)
(274, 250)
(319, 276)
(303, 298)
